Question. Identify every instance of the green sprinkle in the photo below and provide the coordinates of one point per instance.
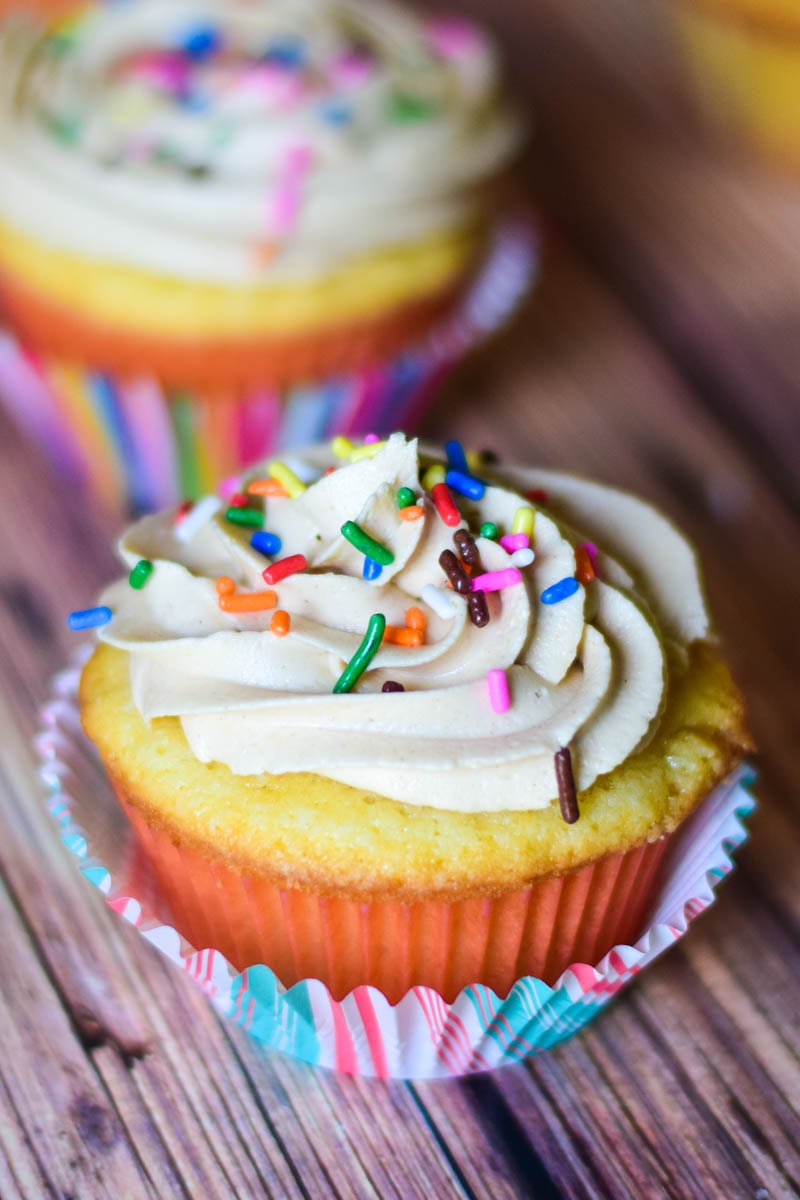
(140, 574)
(405, 498)
(405, 108)
(66, 129)
(489, 530)
(251, 517)
(363, 655)
(367, 545)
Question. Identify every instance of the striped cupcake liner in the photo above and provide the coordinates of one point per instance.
(141, 447)
(421, 1037)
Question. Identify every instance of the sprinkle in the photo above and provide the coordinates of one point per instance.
(183, 510)
(284, 475)
(267, 487)
(351, 69)
(415, 618)
(515, 541)
(280, 623)
(286, 201)
(89, 618)
(202, 512)
(140, 574)
(498, 690)
(369, 450)
(304, 471)
(584, 567)
(251, 517)
(229, 486)
(455, 572)
(537, 496)
(239, 500)
(466, 547)
(478, 609)
(363, 656)
(489, 530)
(405, 498)
(371, 569)
(567, 797)
(438, 600)
(392, 686)
(456, 458)
(201, 42)
(399, 635)
(342, 447)
(283, 568)
(266, 543)
(495, 581)
(367, 545)
(465, 485)
(444, 504)
(523, 521)
(432, 476)
(405, 108)
(560, 591)
(453, 37)
(412, 513)
(523, 557)
(244, 602)
(370, 439)
(591, 550)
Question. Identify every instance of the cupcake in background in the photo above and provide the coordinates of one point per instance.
(745, 59)
(227, 228)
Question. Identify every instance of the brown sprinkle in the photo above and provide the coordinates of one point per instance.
(567, 797)
(454, 572)
(392, 686)
(584, 568)
(465, 544)
(478, 609)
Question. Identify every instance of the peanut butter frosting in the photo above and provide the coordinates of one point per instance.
(585, 664)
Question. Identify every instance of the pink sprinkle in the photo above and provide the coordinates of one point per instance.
(370, 439)
(274, 83)
(351, 70)
(498, 690)
(515, 541)
(453, 37)
(495, 581)
(229, 487)
(591, 550)
(285, 203)
(167, 70)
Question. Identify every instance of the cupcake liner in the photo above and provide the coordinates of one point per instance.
(746, 72)
(423, 1036)
(136, 444)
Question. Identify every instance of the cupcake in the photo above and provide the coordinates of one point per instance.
(227, 228)
(397, 724)
(745, 59)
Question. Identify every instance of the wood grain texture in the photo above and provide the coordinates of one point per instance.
(655, 356)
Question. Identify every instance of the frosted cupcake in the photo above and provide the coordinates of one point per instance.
(226, 227)
(396, 727)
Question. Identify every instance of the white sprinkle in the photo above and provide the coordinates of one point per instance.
(302, 469)
(197, 517)
(523, 557)
(438, 600)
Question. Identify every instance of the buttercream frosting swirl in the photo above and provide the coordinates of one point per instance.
(589, 672)
(178, 136)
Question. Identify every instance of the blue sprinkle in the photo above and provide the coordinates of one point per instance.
(465, 485)
(286, 52)
(201, 42)
(371, 569)
(335, 112)
(89, 618)
(198, 102)
(456, 458)
(560, 591)
(266, 543)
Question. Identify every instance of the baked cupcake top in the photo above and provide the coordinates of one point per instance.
(547, 659)
(234, 140)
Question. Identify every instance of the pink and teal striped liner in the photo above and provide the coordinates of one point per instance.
(422, 1037)
(141, 447)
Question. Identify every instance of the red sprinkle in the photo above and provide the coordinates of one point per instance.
(239, 500)
(538, 496)
(184, 510)
(444, 504)
(283, 568)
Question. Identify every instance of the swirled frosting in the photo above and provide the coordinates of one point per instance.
(182, 137)
(589, 672)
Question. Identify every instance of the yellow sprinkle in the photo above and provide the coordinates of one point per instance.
(523, 521)
(474, 460)
(368, 451)
(281, 472)
(342, 447)
(433, 475)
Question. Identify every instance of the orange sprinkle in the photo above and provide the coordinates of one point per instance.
(415, 619)
(244, 602)
(584, 569)
(280, 623)
(400, 636)
(264, 253)
(412, 513)
(266, 487)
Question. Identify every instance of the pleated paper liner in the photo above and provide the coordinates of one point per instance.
(430, 1032)
(140, 446)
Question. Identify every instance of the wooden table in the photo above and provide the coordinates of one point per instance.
(660, 353)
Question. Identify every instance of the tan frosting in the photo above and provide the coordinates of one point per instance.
(588, 672)
(118, 152)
